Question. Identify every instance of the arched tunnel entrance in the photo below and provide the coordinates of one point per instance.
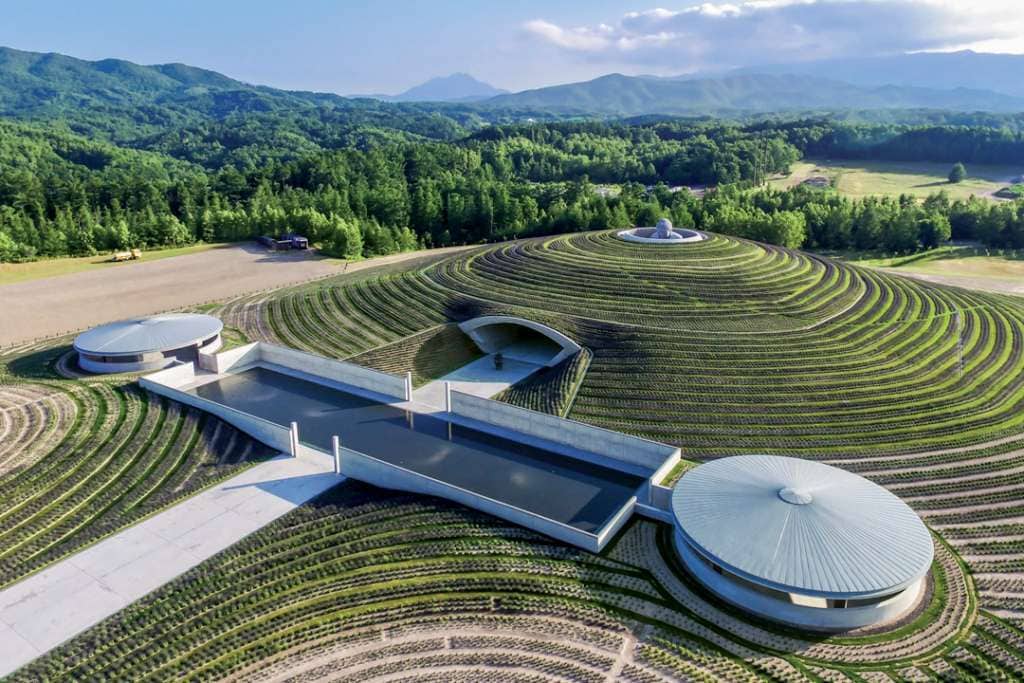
(520, 339)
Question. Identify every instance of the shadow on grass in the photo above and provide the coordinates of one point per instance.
(39, 364)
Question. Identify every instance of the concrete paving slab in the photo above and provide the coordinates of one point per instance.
(180, 520)
(217, 534)
(50, 607)
(49, 626)
(479, 378)
(54, 585)
(15, 650)
(123, 548)
(152, 570)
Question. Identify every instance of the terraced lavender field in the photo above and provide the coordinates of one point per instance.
(722, 347)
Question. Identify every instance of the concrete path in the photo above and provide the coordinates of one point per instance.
(46, 609)
(478, 378)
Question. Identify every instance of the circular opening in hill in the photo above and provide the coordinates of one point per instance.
(662, 233)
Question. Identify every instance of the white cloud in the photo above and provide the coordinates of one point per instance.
(725, 34)
(583, 39)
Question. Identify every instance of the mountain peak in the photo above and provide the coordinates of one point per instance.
(458, 86)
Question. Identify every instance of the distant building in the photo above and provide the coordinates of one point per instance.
(818, 181)
(144, 344)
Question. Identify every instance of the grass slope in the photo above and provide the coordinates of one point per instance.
(723, 347)
(729, 347)
(919, 179)
(82, 458)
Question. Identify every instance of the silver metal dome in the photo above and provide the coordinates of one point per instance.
(152, 333)
(801, 527)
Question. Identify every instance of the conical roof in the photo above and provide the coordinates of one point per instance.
(801, 526)
(152, 333)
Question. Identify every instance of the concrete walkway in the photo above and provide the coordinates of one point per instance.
(480, 378)
(46, 609)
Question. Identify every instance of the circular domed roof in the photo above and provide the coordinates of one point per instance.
(801, 526)
(152, 333)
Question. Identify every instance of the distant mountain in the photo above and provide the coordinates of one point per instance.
(125, 101)
(942, 70)
(618, 95)
(40, 85)
(458, 87)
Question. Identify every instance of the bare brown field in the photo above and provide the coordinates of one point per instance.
(48, 307)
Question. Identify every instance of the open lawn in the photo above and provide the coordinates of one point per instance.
(863, 178)
(992, 270)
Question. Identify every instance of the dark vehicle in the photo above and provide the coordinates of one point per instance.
(284, 242)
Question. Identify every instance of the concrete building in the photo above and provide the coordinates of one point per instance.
(572, 481)
(800, 542)
(150, 343)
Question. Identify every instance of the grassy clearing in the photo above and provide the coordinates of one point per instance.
(957, 261)
(855, 178)
(35, 270)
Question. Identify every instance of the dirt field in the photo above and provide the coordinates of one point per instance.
(34, 270)
(52, 306)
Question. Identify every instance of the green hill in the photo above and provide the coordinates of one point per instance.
(722, 347)
(128, 102)
(620, 95)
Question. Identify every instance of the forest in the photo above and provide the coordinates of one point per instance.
(362, 190)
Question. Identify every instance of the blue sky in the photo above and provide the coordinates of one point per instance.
(363, 47)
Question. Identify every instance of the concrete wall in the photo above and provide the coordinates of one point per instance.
(236, 357)
(492, 333)
(271, 434)
(833, 620)
(337, 371)
(175, 376)
(387, 475)
(661, 496)
(638, 235)
(647, 455)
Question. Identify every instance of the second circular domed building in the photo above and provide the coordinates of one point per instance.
(800, 542)
(149, 343)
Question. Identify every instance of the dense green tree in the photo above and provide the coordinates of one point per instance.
(958, 173)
